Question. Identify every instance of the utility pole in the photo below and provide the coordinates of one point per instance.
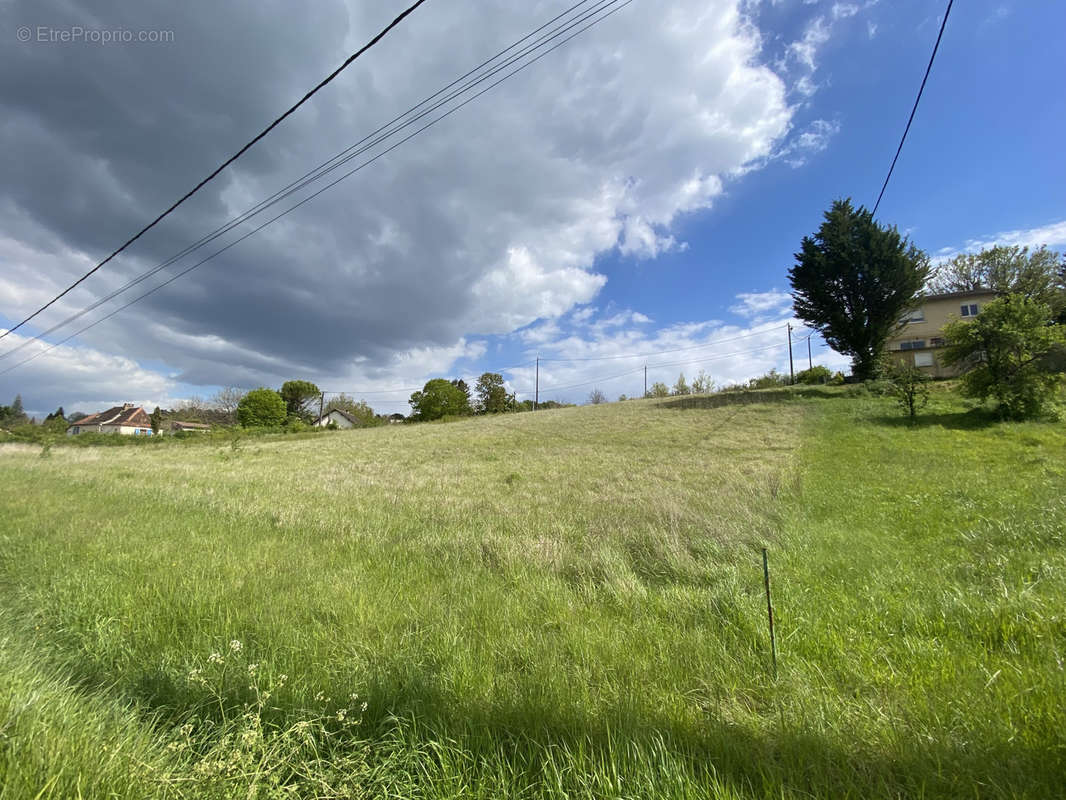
(536, 389)
(321, 401)
(791, 368)
(645, 380)
(810, 362)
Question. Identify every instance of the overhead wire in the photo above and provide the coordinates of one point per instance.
(914, 109)
(377, 38)
(345, 156)
(619, 5)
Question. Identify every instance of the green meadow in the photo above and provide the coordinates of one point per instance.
(565, 604)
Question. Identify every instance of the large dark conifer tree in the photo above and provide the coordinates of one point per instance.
(853, 281)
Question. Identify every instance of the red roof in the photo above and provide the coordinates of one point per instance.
(127, 415)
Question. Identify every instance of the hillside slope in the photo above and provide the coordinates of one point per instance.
(566, 603)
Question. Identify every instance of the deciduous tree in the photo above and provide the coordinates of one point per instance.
(1005, 350)
(492, 397)
(261, 408)
(1005, 270)
(852, 282)
(681, 387)
(439, 398)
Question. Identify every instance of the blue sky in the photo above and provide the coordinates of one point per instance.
(798, 103)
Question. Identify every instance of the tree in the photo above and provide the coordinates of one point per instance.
(261, 408)
(659, 389)
(227, 399)
(596, 397)
(852, 282)
(909, 387)
(439, 398)
(462, 386)
(1005, 349)
(157, 419)
(357, 409)
(56, 421)
(1062, 292)
(1005, 270)
(815, 375)
(17, 416)
(681, 388)
(492, 397)
(702, 384)
(297, 396)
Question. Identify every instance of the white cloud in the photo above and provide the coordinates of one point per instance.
(490, 221)
(83, 379)
(814, 139)
(760, 304)
(844, 10)
(805, 49)
(1053, 235)
(613, 361)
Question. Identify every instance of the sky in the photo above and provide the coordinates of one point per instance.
(632, 198)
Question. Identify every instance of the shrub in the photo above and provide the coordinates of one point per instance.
(814, 375)
(910, 388)
(769, 380)
(1006, 351)
(261, 408)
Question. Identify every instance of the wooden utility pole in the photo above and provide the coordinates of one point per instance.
(321, 402)
(810, 362)
(645, 380)
(791, 368)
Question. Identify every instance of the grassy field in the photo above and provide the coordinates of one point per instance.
(560, 604)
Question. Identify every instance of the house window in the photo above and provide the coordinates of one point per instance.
(918, 315)
(916, 344)
(936, 341)
(969, 310)
(923, 359)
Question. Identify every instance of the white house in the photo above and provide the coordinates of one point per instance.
(126, 419)
(342, 419)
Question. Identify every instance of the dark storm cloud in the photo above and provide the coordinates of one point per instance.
(484, 224)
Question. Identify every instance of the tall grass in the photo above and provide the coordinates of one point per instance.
(560, 604)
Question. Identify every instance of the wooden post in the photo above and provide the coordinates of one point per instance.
(769, 609)
(321, 402)
(791, 369)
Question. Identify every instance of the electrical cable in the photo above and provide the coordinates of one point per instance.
(319, 191)
(338, 160)
(928, 68)
(381, 34)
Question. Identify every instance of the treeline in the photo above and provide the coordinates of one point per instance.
(441, 398)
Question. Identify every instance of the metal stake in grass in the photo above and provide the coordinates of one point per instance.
(769, 609)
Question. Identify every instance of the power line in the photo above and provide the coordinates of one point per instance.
(345, 156)
(910, 119)
(319, 191)
(227, 162)
(660, 366)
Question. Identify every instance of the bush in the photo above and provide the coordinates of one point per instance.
(814, 375)
(910, 387)
(879, 387)
(1007, 351)
(769, 380)
(261, 408)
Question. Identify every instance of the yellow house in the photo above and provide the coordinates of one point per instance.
(918, 341)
